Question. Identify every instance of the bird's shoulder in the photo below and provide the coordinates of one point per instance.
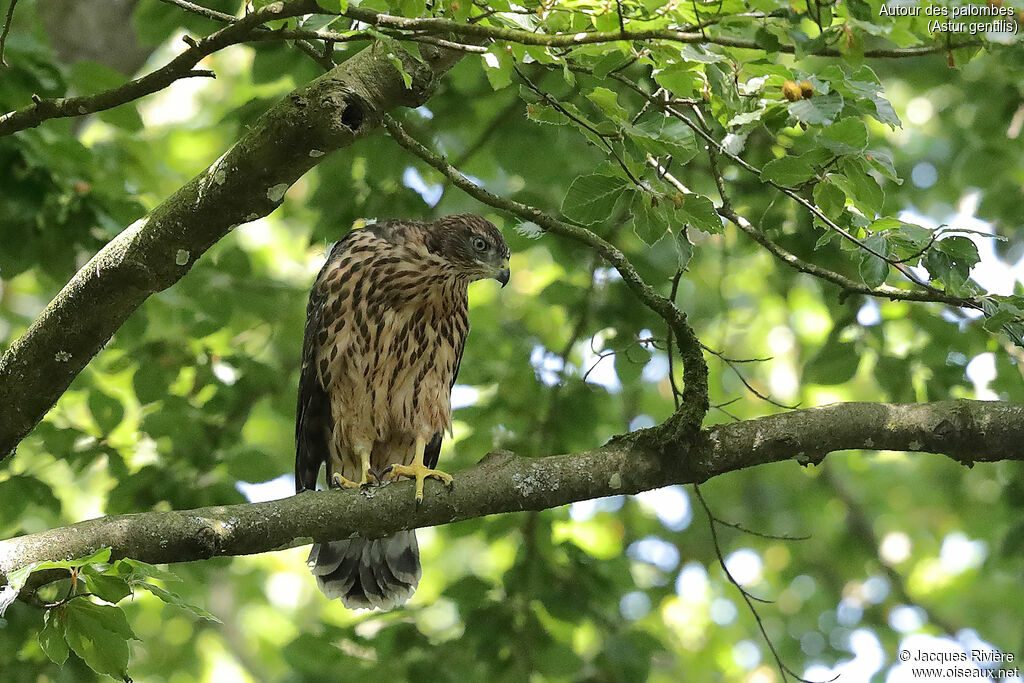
(398, 236)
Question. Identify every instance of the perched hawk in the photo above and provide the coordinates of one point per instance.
(385, 328)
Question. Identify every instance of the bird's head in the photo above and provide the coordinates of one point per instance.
(472, 245)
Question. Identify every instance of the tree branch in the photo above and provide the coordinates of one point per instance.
(179, 67)
(325, 35)
(847, 284)
(524, 37)
(247, 182)
(6, 29)
(966, 431)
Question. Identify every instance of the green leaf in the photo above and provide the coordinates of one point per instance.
(649, 221)
(660, 136)
(938, 264)
(610, 61)
(787, 171)
(805, 45)
(21, 494)
(828, 236)
(542, 113)
(746, 117)
(893, 375)
(684, 248)
(699, 212)
(960, 249)
(835, 363)
(137, 570)
(912, 237)
(17, 578)
(869, 90)
(680, 79)
(591, 198)
(497, 67)
(99, 635)
(172, 598)
(529, 230)
(607, 101)
(995, 321)
(859, 9)
(830, 199)
(397, 63)
(766, 40)
(860, 187)
(820, 109)
(51, 638)
(881, 161)
(874, 270)
(106, 410)
(113, 589)
(846, 137)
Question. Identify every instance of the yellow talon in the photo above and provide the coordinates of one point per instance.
(419, 471)
(365, 476)
(347, 483)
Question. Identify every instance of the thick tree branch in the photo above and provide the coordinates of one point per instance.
(247, 182)
(966, 431)
(695, 370)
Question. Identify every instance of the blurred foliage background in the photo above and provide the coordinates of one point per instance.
(192, 402)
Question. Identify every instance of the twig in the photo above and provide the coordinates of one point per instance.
(203, 11)
(7, 29)
(608, 353)
(747, 597)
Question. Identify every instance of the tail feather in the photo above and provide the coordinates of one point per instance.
(368, 573)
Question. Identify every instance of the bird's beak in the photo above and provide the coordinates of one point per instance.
(503, 274)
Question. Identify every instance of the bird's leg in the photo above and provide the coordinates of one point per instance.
(419, 471)
(364, 469)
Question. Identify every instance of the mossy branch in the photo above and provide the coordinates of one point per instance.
(966, 431)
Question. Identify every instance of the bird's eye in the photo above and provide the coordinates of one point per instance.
(479, 244)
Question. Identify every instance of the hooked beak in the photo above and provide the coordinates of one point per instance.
(502, 274)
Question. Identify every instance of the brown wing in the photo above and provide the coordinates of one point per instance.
(313, 421)
(459, 333)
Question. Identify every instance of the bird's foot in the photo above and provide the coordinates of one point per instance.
(420, 472)
(344, 482)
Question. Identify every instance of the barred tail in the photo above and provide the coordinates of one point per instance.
(368, 573)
